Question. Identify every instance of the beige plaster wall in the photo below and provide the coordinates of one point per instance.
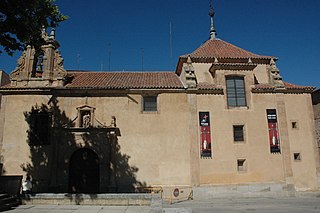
(316, 110)
(302, 140)
(262, 166)
(202, 73)
(15, 149)
(261, 73)
(164, 145)
(157, 143)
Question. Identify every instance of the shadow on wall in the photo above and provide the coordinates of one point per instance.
(2, 170)
(67, 158)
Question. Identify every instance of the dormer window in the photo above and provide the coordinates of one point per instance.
(236, 92)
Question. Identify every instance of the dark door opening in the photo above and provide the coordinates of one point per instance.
(84, 174)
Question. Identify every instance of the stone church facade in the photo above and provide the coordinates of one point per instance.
(224, 116)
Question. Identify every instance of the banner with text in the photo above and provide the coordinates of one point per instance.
(205, 136)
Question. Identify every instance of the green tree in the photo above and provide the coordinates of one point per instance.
(22, 21)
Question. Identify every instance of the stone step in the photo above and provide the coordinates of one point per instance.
(91, 199)
(2, 196)
(7, 202)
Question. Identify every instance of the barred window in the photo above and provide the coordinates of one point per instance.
(150, 103)
(236, 93)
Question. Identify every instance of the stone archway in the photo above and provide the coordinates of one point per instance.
(84, 173)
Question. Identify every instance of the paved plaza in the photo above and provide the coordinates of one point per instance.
(310, 204)
(250, 205)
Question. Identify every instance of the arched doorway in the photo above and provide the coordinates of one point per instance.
(84, 174)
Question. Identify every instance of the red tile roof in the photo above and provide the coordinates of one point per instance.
(125, 80)
(288, 87)
(217, 48)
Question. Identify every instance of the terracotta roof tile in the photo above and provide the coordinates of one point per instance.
(208, 86)
(125, 80)
(287, 87)
(217, 48)
(294, 86)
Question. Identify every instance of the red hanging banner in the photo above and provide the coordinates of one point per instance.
(274, 139)
(205, 136)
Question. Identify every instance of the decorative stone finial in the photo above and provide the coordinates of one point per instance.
(275, 76)
(189, 60)
(44, 33)
(213, 32)
(191, 79)
(53, 33)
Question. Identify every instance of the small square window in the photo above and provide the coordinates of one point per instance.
(294, 125)
(242, 165)
(238, 133)
(150, 103)
(297, 156)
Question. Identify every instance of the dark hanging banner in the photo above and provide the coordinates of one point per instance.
(205, 136)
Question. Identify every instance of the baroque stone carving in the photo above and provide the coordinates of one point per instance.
(20, 66)
(59, 71)
(191, 79)
(275, 77)
(86, 120)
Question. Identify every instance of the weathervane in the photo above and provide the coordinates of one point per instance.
(212, 28)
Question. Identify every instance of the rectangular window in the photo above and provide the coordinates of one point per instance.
(297, 156)
(150, 103)
(238, 133)
(241, 165)
(236, 93)
(39, 122)
(294, 125)
(274, 139)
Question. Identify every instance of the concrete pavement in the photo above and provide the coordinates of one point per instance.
(251, 205)
(79, 209)
(305, 204)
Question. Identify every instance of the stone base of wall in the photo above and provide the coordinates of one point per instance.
(245, 190)
(93, 199)
(10, 184)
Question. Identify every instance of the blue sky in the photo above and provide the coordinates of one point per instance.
(135, 35)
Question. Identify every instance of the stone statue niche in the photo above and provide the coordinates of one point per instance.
(85, 120)
(85, 117)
